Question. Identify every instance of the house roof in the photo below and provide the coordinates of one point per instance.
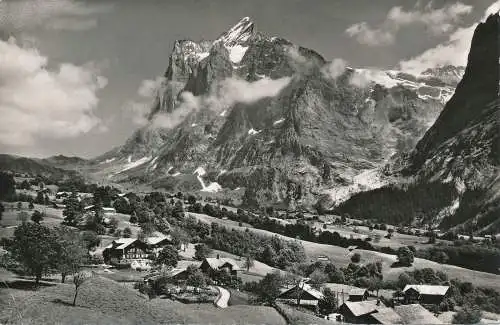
(416, 314)
(216, 263)
(122, 243)
(306, 288)
(157, 239)
(387, 315)
(359, 308)
(428, 289)
(339, 287)
(357, 292)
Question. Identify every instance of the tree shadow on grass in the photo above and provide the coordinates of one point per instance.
(66, 303)
(28, 285)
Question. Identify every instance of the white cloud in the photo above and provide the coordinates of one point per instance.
(437, 20)
(52, 14)
(222, 96)
(334, 68)
(149, 88)
(454, 51)
(37, 102)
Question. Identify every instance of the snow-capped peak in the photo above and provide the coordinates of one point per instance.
(238, 34)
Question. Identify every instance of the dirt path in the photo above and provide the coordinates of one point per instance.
(223, 298)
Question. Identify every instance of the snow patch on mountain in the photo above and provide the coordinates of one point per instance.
(281, 120)
(252, 131)
(212, 188)
(367, 180)
(200, 171)
(236, 53)
(107, 161)
(132, 164)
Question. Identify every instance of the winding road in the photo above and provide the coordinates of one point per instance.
(223, 298)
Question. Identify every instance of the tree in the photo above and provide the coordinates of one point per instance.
(196, 279)
(356, 258)
(19, 206)
(201, 251)
(90, 240)
(2, 209)
(133, 217)
(405, 256)
(191, 199)
(270, 287)
(31, 206)
(79, 279)
(127, 232)
(467, 315)
(329, 302)
(70, 253)
(22, 216)
(113, 224)
(73, 211)
(122, 205)
(7, 187)
(249, 262)
(40, 198)
(318, 277)
(168, 256)
(35, 247)
(180, 238)
(37, 216)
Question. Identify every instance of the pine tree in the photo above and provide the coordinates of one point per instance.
(73, 211)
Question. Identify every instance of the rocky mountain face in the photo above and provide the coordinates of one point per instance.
(262, 114)
(461, 149)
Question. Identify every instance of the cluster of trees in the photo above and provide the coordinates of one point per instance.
(299, 230)
(38, 250)
(395, 205)
(484, 258)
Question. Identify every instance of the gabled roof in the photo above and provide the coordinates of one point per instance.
(306, 288)
(428, 289)
(216, 263)
(387, 315)
(359, 308)
(357, 292)
(121, 243)
(416, 314)
(157, 239)
(339, 287)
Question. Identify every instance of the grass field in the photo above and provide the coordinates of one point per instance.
(103, 301)
(340, 256)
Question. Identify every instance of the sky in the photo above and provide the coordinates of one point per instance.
(70, 70)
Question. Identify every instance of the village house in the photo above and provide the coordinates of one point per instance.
(424, 294)
(358, 294)
(359, 312)
(158, 242)
(415, 314)
(343, 291)
(213, 265)
(302, 294)
(125, 250)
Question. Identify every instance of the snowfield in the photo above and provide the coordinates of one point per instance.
(132, 164)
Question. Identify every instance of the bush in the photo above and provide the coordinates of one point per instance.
(356, 258)
(467, 315)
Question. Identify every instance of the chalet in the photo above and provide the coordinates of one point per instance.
(125, 250)
(359, 312)
(302, 294)
(156, 243)
(109, 211)
(211, 266)
(385, 315)
(341, 291)
(358, 294)
(415, 314)
(424, 294)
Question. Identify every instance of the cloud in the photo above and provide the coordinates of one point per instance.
(334, 68)
(222, 96)
(72, 24)
(438, 21)
(52, 14)
(37, 102)
(453, 51)
(149, 88)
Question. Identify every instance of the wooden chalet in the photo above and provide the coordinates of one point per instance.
(301, 294)
(213, 265)
(424, 294)
(125, 250)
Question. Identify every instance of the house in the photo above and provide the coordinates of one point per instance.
(359, 312)
(358, 294)
(302, 294)
(386, 315)
(175, 276)
(415, 314)
(125, 250)
(213, 265)
(109, 212)
(156, 243)
(340, 290)
(424, 294)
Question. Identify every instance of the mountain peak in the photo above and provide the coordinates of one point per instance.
(239, 33)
